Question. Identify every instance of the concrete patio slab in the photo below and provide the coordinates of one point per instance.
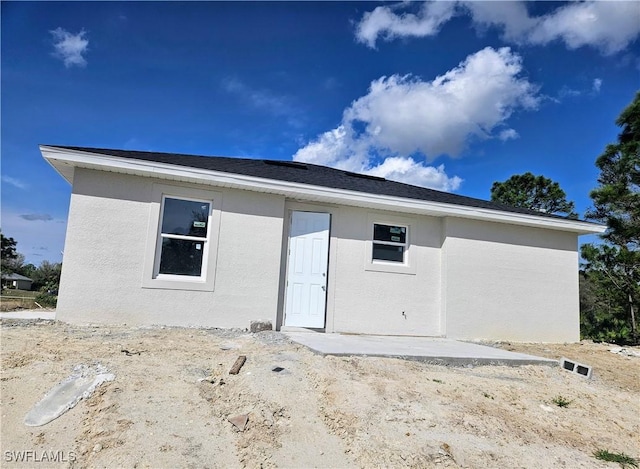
(431, 350)
(30, 314)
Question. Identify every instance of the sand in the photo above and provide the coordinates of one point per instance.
(172, 397)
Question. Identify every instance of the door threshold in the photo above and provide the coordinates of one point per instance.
(300, 329)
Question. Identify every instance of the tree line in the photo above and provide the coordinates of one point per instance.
(46, 277)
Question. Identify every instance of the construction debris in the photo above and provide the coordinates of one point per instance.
(259, 326)
(229, 346)
(65, 395)
(239, 421)
(208, 379)
(625, 351)
(577, 368)
(235, 369)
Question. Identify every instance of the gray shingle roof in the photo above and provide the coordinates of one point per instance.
(305, 173)
(14, 276)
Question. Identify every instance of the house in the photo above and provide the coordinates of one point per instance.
(157, 238)
(16, 281)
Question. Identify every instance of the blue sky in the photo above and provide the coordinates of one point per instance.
(450, 95)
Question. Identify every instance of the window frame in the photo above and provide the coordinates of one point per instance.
(162, 236)
(152, 278)
(404, 245)
(408, 266)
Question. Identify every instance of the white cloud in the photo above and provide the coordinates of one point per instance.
(337, 149)
(70, 47)
(508, 134)
(597, 84)
(402, 118)
(407, 170)
(332, 148)
(384, 22)
(512, 17)
(15, 182)
(607, 26)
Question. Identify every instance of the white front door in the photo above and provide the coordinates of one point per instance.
(306, 291)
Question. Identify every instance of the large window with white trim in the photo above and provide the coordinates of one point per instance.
(389, 243)
(183, 241)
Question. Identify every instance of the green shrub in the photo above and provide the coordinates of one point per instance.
(621, 458)
(561, 401)
(47, 300)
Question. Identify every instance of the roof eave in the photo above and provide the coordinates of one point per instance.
(64, 161)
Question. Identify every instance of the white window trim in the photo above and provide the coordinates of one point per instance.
(206, 281)
(409, 264)
(404, 246)
(162, 236)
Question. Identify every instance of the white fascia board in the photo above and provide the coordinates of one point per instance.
(59, 158)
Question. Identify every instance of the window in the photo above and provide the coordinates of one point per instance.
(389, 243)
(388, 246)
(183, 236)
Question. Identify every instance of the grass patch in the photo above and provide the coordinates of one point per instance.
(561, 401)
(487, 395)
(621, 458)
(19, 293)
(14, 300)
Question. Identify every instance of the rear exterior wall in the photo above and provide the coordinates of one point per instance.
(371, 299)
(464, 279)
(508, 282)
(107, 241)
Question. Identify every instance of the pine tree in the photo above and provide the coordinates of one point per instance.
(615, 264)
(533, 192)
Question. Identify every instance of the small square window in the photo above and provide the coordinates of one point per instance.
(389, 243)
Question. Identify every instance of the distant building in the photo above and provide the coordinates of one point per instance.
(16, 281)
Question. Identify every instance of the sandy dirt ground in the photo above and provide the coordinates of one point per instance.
(169, 404)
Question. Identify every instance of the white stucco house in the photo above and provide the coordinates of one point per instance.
(157, 238)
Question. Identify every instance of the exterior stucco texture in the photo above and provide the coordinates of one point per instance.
(465, 279)
(506, 282)
(107, 241)
(378, 301)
